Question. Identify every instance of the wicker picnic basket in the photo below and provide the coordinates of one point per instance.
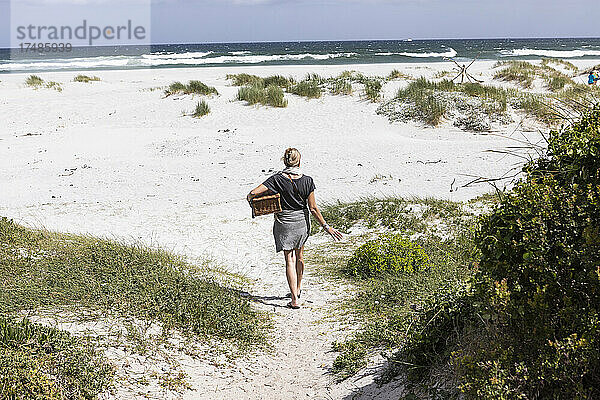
(266, 205)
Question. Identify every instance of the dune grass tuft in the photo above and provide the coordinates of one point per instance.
(307, 88)
(520, 72)
(557, 61)
(257, 94)
(36, 82)
(254, 80)
(202, 109)
(341, 87)
(373, 90)
(524, 73)
(395, 74)
(86, 79)
(193, 87)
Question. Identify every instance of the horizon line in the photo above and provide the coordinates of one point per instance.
(407, 39)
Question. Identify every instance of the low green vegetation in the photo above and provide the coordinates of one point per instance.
(105, 275)
(192, 87)
(557, 61)
(36, 82)
(314, 85)
(473, 105)
(476, 107)
(38, 362)
(395, 277)
(86, 79)
(201, 110)
(395, 74)
(42, 271)
(509, 307)
(257, 94)
(524, 73)
(388, 254)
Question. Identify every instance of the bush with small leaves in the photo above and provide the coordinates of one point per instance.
(390, 254)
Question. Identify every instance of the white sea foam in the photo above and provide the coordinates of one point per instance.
(243, 59)
(450, 53)
(551, 53)
(71, 63)
(176, 55)
(149, 60)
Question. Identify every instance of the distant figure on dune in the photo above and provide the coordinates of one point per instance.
(593, 78)
(292, 225)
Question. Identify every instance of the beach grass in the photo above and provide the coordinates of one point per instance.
(48, 270)
(373, 90)
(257, 94)
(341, 87)
(202, 109)
(524, 73)
(244, 79)
(395, 74)
(254, 80)
(557, 61)
(86, 79)
(36, 82)
(520, 72)
(192, 87)
(309, 88)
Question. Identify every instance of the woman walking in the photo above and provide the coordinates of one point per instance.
(292, 225)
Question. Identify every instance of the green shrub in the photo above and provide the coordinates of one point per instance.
(86, 79)
(307, 88)
(390, 254)
(201, 110)
(539, 277)
(38, 362)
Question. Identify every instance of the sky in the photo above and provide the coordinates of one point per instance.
(203, 21)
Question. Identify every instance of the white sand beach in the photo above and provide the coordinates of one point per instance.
(116, 158)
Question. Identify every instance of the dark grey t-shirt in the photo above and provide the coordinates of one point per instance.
(280, 183)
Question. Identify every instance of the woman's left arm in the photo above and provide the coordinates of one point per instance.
(257, 191)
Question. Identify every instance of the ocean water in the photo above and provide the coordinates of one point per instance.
(299, 53)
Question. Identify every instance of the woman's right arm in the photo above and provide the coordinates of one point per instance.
(312, 206)
(257, 191)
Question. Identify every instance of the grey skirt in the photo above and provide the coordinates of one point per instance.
(291, 229)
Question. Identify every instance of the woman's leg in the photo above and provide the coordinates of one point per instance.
(290, 272)
(299, 266)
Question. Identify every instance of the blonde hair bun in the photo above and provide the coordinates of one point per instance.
(291, 157)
